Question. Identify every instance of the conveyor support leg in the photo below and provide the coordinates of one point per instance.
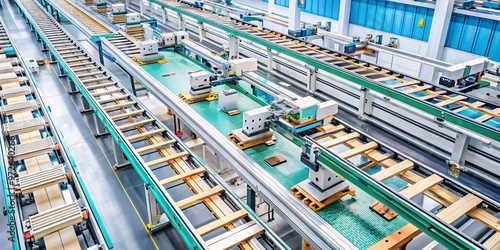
(251, 198)
(120, 159)
(233, 47)
(157, 218)
(365, 102)
(100, 130)
(459, 151)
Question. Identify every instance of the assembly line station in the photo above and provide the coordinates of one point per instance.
(249, 124)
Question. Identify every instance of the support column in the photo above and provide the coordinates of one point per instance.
(164, 15)
(182, 25)
(437, 37)
(311, 83)
(271, 7)
(62, 73)
(141, 7)
(101, 131)
(86, 106)
(269, 61)
(132, 84)
(72, 87)
(251, 198)
(293, 16)
(344, 16)
(219, 163)
(101, 53)
(234, 45)
(157, 218)
(201, 30)
(457, 158)
(120, 159)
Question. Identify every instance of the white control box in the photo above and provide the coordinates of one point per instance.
(228, 100)
(168, 39)
(33, 65)
(149, 47)
(199, 79)
(325, 178)
(238, 66)
(327, 109)
(254, 120)
(118, 8)
(180, 35)
(133, 18)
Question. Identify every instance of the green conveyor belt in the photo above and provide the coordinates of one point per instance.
(351, 216)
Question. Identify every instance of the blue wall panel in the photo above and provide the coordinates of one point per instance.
(396, 18)
(475, 35)
(494, 53)
(325, 8)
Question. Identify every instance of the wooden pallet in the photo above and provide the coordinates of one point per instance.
(316, 205)
(244, 143)
(189, 99)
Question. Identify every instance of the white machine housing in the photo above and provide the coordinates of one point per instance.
(456, 71)
(327, 109)
(167, 39)
(324, 178)
(254, 121)
(117, 8)
(238, 66)
(200, 83)
(132, 18)
(33, 65)
(228, 100)
(149, 47)
(173, 38)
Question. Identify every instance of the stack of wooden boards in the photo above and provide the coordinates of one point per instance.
(118, 18)
(136, 31)
(88, 2)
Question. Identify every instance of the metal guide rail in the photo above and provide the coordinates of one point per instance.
(150, 147)
(453, 205)
(352, 69)
(32, 151)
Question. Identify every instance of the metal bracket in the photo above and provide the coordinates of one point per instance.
(365, 102)
(311, 158)
(457, 158)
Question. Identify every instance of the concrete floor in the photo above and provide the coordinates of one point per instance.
(119, 196)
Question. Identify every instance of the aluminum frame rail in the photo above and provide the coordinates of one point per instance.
(438, 112)
(302, 219)
(58, 40)
(93, 215)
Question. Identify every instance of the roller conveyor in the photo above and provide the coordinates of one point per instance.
(45, 223)
(15, 107)
(108, 98)
(26, 126)
(34, 148)
(41, 179)
(13, 92)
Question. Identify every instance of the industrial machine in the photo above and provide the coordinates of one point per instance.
(118, 13)
(228, 101)
(194, 3)
(464, 74)
(173, 38)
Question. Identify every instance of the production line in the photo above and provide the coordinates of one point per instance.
(48, 204)
(297, 142)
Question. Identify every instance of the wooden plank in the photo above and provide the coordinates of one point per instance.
(167, 158)
(451, 100)
(113, 98)
(102, 85)
(421, 186)
(393, 171)
(432, 94)
(408, 232)
(120, 105)
(182, 176)
(128, 114)
(340, 140)
(198, 197)
(386, 78)
(106, 92)
(486, 218)
(235, 237)
(97, 79)
(488, 116)
(154, 146)
(404, 84)
(144, 134)
(417, 89)
(358, 150)
(493, 242)
(212, 226)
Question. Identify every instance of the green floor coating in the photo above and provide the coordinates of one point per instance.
(350, 216)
